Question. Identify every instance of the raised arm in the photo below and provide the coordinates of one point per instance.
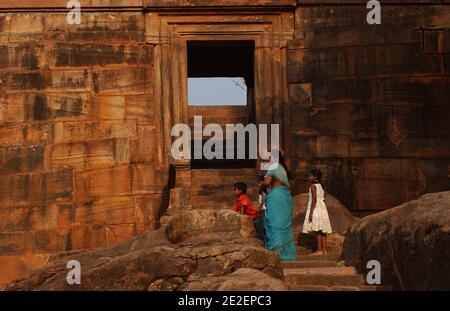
(265, 183)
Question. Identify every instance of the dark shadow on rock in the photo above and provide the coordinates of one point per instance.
(411, 243)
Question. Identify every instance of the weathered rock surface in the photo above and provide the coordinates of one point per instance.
(243, 279)
(153, 262)
(340, 219)
(184, 225)
(410, 241)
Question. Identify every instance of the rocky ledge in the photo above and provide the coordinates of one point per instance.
(221, 256)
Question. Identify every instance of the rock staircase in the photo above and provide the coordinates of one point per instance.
(324, 273)
(213, 188)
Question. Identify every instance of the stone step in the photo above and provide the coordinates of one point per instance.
(309, 288)
(294, 279)
(376, 288)
(198, 201)
(321, 288)
(223, 164)
(223, 184)
(220, 191)
(223, 173)
(218, 198)
(210, 206)
(314, 288)
(325, 257)
(308, 264)
(224, 177)
(215, 206)
(322, 270)
(345, 288)
(213, 188)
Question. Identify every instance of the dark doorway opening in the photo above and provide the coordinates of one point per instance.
(221, 90)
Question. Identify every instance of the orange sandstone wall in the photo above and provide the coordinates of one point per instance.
(370, 104)
(79, 127)
(78, 163)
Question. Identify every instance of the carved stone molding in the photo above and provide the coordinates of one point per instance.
(185, 4)
(170, 32)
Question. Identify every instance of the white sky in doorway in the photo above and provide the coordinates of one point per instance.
(217, 91)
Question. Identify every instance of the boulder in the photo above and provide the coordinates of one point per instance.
(166, 259)
(185, 225)
(340, 219)
(243, 279)
(410, 241)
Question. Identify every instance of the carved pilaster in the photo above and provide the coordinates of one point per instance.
(180, 194)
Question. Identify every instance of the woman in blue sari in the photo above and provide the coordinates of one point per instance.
(278, 216)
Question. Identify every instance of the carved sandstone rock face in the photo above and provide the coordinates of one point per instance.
(154, 262)
(410, 242)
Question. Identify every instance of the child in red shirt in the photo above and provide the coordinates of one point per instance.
(244, 206)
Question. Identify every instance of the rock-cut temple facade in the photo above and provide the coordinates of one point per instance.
(86, 110)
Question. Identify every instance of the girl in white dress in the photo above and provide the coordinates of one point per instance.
(316, 219)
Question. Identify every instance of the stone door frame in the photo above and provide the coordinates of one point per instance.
(169, 33)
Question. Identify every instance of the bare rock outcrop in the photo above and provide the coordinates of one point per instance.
(184, 225)
(243, 279)
(169, 259)
(410, 241)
